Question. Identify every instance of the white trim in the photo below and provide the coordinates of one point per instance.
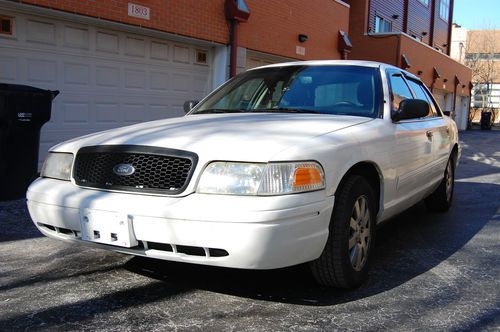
(102, 23)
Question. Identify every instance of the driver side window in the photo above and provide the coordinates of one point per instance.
(400, 91)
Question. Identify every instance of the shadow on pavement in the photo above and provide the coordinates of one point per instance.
(407, 246)
(15, 222)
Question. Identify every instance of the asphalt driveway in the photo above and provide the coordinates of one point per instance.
(432, 272)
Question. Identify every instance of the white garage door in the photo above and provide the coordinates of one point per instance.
(441, 100)
(462, 109)
(106, 78)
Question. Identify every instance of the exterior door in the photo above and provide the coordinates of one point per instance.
(413, 151)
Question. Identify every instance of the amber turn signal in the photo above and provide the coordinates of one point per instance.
(306, 177)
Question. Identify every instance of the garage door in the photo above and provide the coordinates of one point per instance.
(107, 78)
(462, 115)
(441, 100)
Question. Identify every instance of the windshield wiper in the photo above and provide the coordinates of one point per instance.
(286, 110)
(220, 110)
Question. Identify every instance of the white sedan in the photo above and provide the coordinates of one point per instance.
(282, 165)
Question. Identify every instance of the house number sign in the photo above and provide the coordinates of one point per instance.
(138, 11)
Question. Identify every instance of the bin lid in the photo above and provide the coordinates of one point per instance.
(13, 88)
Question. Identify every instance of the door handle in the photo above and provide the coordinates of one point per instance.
(429, 134)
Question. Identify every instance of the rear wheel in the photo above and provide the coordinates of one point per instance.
(346, 257)
(441, 199)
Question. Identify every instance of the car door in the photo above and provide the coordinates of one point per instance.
(439, 130)
(413, 150)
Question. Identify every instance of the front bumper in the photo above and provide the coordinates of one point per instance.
(254, 232)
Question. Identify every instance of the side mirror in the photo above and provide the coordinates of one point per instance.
(189, 105)
(411, 109)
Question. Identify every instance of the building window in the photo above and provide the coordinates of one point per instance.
(444, 9)
(482, 56)
(424, 2)
(382, 25)
(201, 57)
(5, 25)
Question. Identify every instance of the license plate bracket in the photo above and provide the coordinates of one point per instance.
(107, 227)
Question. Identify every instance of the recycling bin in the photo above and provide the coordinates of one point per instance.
(486, 120)
(23, 111)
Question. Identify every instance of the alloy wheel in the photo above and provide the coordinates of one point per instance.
(359, 233)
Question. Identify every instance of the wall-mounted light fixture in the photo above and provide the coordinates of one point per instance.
(344, 45)
(405, 62)
(424, 33)
(303, 38)
(395, 16)
(420, 72)
(445, 80)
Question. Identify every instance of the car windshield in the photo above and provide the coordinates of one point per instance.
(340, 90)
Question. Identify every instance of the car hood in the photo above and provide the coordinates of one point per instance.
(239, 137)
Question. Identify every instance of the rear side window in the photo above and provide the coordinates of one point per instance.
(400, 91)
(420, 93)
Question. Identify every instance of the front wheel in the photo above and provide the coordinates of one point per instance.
(346, 257)
(440, 200)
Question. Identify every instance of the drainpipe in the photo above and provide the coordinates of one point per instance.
(236, 11)
(469, 123)
(456, 83)
(450, 28)
(234, 48)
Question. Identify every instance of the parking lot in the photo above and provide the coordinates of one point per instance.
(431, 272)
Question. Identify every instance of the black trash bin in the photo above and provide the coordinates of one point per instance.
(23, 111)
(486, 120)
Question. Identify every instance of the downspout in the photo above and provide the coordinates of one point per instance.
(406, 10)
(450, 27)
(457, 82)
(469, 123)
(236, 11)
(433, 23)
(234, 48)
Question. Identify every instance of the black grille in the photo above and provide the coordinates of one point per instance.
(156, 170)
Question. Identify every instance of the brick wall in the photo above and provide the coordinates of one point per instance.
(201, 19)
(388, 49)
(274, 26)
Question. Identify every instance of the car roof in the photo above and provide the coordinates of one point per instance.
(361, 63)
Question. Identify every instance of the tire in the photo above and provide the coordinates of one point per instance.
(441, 199)
(338, 266)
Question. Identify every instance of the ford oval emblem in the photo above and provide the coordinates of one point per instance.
(124, 169)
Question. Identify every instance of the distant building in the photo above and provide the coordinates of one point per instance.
(458, 42)
(480, 50)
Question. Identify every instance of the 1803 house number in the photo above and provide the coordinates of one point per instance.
(138, 11)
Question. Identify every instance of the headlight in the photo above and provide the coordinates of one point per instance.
(57, 166)
(261, 179)
(231, 178)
